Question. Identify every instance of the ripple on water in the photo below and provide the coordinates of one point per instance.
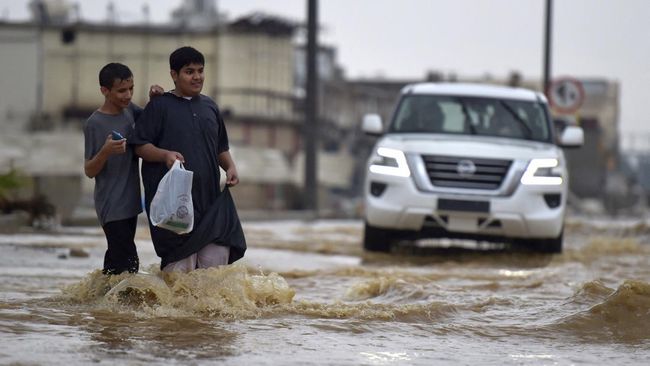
(232, 293)
(623, 315)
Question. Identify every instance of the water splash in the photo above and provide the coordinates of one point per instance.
(591, 292)
(415, 313)
(392, 289)
(225, 292)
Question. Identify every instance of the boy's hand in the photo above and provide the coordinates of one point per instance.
(156, 90)
(113, 147)
(171, 157)
(232, 178)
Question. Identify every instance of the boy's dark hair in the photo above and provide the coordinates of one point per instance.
(185, 56)
(113, 71)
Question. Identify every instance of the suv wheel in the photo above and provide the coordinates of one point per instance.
(376, 239)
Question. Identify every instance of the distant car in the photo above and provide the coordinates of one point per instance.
(467, 161)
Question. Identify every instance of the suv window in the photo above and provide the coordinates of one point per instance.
(472, 116)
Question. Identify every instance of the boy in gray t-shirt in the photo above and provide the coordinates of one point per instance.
(113, 164)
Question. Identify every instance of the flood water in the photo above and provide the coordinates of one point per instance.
(307, 294)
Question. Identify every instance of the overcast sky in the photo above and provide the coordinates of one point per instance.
(405, 38)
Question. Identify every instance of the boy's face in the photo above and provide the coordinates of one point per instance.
(189, 80)
(120, 94)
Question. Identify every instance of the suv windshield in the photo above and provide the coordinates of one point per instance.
(472, 116)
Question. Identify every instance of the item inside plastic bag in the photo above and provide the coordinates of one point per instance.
(171, 207)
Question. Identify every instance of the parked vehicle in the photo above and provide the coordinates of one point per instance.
(467, 161)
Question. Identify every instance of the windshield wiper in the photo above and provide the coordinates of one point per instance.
(528, 133)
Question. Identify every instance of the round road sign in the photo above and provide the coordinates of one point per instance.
(566, 95)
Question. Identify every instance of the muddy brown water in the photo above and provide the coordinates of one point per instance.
(307, 294)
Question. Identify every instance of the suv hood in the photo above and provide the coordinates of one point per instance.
(470, 146)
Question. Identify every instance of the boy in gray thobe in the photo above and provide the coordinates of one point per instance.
(184, 124)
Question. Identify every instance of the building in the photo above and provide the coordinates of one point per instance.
(254, 71)
(597, 161)
(249, 72)
(20, 76)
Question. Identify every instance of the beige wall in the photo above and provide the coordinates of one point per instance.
(19, 80)
(260, 136)
(245, 62)
(71, 70)
(250, 195)
(235, 133)
(286, 139)
(601, 102)
(259, 62)
(282, 137)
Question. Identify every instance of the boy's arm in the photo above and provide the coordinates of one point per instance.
(151, 153)
(155, 90)
(94, 165)
(223, 154)
(147, 132)
(226, 162)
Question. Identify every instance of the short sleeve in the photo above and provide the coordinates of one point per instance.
(148, 124)
(90, 146)
(136, 110)
(223, 135)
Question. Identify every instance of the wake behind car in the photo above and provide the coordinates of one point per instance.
(467, 161)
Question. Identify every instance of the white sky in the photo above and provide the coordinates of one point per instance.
(405, 38)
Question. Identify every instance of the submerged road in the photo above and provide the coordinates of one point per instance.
(306, 293)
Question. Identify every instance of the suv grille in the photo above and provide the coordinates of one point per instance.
(470, 173)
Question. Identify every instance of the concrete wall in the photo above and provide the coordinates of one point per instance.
(256, 74)
(54, 161)
(19, 79)
(249, 73)
(602, 103)
(71, 70)
(252, 73)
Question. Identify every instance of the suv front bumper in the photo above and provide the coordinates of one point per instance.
(525, 213)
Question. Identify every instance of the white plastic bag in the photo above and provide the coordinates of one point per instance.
(171, 207)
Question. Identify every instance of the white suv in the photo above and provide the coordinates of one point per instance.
(467, 161)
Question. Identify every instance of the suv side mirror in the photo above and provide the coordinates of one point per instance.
(572, 136)
(372, 125)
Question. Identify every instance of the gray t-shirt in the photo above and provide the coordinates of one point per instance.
(117, 186)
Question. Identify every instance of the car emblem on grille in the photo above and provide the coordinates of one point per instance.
(466, 168)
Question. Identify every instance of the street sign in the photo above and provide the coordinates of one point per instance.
(566, 95)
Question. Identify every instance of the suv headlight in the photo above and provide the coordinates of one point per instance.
(390, 162)
(543, 172)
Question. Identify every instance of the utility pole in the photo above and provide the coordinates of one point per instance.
(111, 19)
(311, 110)
(42, 19)
(548, 34)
